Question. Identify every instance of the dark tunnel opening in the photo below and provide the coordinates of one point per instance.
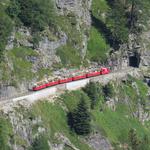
(134, 60)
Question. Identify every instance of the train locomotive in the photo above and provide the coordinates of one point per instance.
(52, 82)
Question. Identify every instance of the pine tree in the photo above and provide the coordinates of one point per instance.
(81, 118)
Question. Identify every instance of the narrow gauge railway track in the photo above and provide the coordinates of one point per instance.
(43, 85)
(43, 93)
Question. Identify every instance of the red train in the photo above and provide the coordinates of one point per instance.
(75, 78)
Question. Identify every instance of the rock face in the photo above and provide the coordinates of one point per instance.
(145, 61)
(22, 127)
(47, 50)
(47, 47)
(79, 7)
(81, 10)
(27, 128)
(64, 142)
(20, 37)
(98, 142)
(145, 52)
(127, 55)
(8, 91)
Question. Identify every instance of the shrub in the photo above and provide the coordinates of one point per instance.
(5, 29)
(41, 143)
(93, 90)
(36, 14)
(108, 90)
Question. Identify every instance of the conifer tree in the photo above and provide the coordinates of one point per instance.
(81, 118)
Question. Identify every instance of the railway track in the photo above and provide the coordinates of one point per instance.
(33, 96)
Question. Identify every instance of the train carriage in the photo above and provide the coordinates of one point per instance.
(79, 77)
(93, 74)
(55, 81)
(65, 80)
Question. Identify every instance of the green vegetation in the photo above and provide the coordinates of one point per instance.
(21, 66)
(136, 95)
(70, 53)
(136, 143)
(134, 139)
(97, 47)
(36, 14)
(41, 143)
(99, 8)
(5, 29)
(116, 19)
(94, 91)
(69, 56)
(54, 120)
(79, 119)
(108, 90)
(72, 109)
(112, 23)
(115, 125)
(5, 133)
(68, 25)
(72, 99)
(117, 22)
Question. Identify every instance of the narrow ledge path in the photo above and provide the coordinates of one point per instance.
(58, 89)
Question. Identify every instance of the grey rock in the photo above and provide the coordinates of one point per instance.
(10, 43)
(47, 50)
(98, 142)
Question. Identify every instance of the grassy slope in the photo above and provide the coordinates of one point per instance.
(21, 66)
(69, 54)
(114, 125)
(98, 8)
(5, 133)
(97, 47)
(55, 120)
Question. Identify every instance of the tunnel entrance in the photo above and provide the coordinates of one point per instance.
(134, 60)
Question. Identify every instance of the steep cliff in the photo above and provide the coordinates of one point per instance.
(41, 38)
(75, 34)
